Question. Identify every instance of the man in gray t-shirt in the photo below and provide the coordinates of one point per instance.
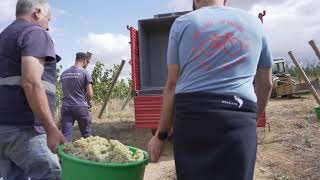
(77, 92)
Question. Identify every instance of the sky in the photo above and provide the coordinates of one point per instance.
(99, 26)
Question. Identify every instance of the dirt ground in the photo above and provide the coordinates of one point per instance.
(289, 148)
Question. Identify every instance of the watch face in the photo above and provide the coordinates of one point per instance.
(163, 135)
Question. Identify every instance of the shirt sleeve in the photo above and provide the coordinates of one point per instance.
(88, 78)
(38, 43)
(266, 59)
(173, 46)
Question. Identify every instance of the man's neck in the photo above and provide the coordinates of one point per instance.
(25, 18)
(79, 65)
(213, 3)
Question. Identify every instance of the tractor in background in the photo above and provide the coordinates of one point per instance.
(284, 85)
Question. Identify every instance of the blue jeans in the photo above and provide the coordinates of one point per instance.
(24, 154)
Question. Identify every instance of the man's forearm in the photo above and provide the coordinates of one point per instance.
(38, 102)
(167, 109)
(89, 92)
(263, 92)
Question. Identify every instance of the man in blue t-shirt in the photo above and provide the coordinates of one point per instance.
(27, 93)
(214, 54)
(77, 92)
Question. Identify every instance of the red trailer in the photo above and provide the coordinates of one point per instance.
(149, 68)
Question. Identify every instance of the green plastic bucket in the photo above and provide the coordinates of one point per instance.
(317, 109)
(78, 169)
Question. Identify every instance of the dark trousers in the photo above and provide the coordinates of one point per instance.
(69, 114)
(214, 137)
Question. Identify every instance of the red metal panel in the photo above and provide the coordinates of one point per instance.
(262, 121)
(147, 111)
(148, 108)
(135, 70)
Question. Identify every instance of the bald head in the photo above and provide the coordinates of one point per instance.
(203, 3)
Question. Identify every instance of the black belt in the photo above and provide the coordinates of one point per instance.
(207, 100)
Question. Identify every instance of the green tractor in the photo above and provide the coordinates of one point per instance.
(279, 67)
(283, 84)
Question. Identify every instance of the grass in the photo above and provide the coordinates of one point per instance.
(113, 111)
(292, 146)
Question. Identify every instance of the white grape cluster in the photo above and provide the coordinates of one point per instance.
(100, 149)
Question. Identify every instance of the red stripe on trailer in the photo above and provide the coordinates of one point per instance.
(147, 111)
(135, 70)
(262, 121)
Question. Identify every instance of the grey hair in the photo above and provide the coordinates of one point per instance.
(24, 7)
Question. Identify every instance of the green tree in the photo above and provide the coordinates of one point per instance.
(102, 79)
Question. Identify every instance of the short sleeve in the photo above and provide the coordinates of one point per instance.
(266, 59)
(88, 78)
(173, 46)
(37, 43)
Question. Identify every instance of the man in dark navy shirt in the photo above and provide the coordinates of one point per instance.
(77, 90)
(28, 133)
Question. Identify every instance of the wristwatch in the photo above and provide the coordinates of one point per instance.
(163, 135)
